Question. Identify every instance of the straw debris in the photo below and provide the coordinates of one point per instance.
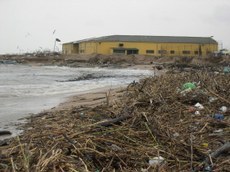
(153, 118)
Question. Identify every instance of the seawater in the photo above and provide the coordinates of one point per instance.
(28, 89)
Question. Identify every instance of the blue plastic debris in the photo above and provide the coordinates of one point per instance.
(218, 116)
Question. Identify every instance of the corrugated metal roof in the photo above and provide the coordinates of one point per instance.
(158, 39)
(161, 39)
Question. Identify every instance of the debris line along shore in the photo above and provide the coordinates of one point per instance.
(172, 122)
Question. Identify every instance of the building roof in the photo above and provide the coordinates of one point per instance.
(158, 39)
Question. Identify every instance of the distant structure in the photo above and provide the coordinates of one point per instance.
(143, 45)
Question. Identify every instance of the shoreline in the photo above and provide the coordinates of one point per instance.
(88, 98)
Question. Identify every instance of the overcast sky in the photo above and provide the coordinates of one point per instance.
(30, 25)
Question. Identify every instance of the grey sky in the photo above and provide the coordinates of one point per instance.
(28, 25)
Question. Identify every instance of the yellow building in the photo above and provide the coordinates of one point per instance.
(143, 45)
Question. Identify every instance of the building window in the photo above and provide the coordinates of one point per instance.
(82, 51)
(196, 52)
(162, 52)
(132, 51)
(172, 52)
(121, 44)
(149, 51)
(118, 51)
(186, 52)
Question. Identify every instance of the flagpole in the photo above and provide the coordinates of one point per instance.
(54, 44)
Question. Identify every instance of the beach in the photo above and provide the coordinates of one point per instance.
(27, 89)
(147, 125)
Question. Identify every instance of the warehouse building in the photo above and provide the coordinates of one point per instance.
(143, 45)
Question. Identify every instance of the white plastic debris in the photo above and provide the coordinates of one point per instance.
(176, 134)
(151, 101)
(218, 131)
(223, 109)
(156, 161)
(197, 112)
(199, 106)
(144, 170)
(212, 99)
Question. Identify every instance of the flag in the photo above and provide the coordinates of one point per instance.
(58, 40)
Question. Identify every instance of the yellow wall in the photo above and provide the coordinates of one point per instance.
(70, 48)
(67, 48)
(87, 48)
(178, 48)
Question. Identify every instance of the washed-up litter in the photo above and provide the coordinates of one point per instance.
(191, 109)
(189, 85)
(197, 113)
(212, 99)
(223, 109)
(176, 135)
(150, 124)
(226, 70)
(218, 131)
(218, 116)
(205, 145)
(156, 161)
(199, 106)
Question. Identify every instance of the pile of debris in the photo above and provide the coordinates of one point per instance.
(173, 122)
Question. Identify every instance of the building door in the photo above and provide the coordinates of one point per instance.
(76, 48)
(200, 50)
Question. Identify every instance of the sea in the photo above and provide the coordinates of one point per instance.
(26, 89)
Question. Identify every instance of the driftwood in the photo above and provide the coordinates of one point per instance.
(114, 121)
(124, 115)
(223, 149)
